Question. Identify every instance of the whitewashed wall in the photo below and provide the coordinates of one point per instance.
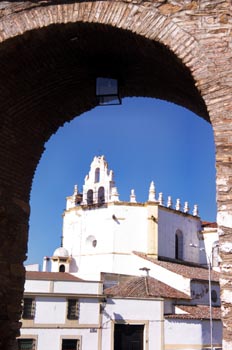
(89, 311)
(121, 229)
(111, 234)
(119, 236)
(196, 334)
(52, 338)
(61, 286)
(131, 311)
(37, 286)
(50, 324)
(131, 265)
(53, 310)
(217, 333)
(210, 236)
(50, 310)
(169, 221)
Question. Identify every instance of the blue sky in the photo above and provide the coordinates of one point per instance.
(144, 139)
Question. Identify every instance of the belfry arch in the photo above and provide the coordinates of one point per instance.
(50, 56)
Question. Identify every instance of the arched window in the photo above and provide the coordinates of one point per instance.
(97, 175)
(101, 195)
(62, 268)
(91, 241)
(179, 245)
(90, 197)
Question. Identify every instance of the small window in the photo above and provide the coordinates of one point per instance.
(91, 241)
(97, 175)
(70, 344)
(73, 309)
(62, 268)
(179, 245)
(26, 344)
(214, 297)
(90, 197)
(28, 309)
(101, 195)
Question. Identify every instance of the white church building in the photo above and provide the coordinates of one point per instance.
(132, 275)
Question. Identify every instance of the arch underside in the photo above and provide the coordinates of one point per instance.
(65, 59)
(54, 76)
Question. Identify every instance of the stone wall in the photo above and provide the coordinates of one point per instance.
(50, 55)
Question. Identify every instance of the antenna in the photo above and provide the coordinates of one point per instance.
(61, 240)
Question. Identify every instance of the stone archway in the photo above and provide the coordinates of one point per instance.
(50, 55)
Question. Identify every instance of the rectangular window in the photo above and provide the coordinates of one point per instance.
(28, 309)
(73, 309)
(26, 344)
(70, 344)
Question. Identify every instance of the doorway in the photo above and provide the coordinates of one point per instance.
(128, 337)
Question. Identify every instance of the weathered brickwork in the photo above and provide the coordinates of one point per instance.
(50, 55)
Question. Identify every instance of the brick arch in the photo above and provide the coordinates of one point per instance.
(148, 21)
(154, 22)
(188, 42)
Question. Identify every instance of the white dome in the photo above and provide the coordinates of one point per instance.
(61, 252)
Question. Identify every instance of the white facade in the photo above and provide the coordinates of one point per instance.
(102, 234)
(147, 313)
(190, 334)
(94, 327)
(51, 294)
(173, 223)
(110, 234)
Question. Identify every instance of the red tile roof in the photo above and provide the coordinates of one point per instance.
(145, 287)
(209, 224)
(199, 312)
(51, 276)
(192, 272)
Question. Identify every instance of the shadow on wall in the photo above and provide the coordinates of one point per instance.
(73, 266)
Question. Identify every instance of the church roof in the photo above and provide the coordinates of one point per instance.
(207, 224)
(144, 287)
(61, 252)
(51, 276)
(199, 312)
(191, 272)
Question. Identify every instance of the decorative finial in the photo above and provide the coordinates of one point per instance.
(111, 175)
(186, 207)
(160, 199)
(178, 205)
(75, 190)
(132, 196)
(114, 194)
(195, 210)
(151, 197)
(169, 202)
